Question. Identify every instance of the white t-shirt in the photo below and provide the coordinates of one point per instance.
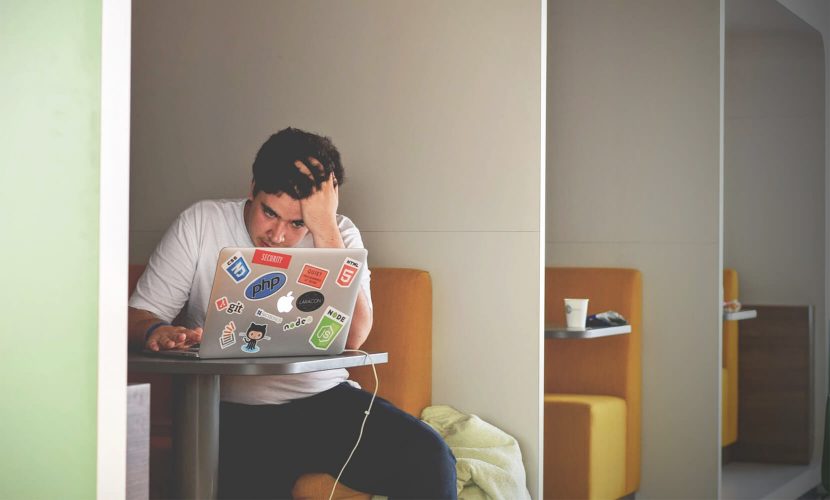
(179, 277)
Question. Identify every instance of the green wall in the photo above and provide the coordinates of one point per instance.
(50, 58)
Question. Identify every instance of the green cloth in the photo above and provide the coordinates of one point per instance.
(489, 461)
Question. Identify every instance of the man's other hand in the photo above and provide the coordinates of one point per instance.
(167, 337)
(320, 208)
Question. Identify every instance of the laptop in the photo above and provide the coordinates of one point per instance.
(279, 302)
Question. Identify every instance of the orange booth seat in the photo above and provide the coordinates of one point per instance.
(729, 370)
(402, 300)
(592, 420)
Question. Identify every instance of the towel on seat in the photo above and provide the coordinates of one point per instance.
(489, 461)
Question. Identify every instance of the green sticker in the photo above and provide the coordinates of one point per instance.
(327, 329)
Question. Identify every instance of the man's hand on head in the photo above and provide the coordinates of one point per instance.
(320, 208)
(169, 337)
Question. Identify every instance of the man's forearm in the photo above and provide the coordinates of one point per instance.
(361, 322)
(138, 321)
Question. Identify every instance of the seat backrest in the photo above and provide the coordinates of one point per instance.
(604, 366)
(402, 300)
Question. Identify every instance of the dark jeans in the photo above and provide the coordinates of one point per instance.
(263, 449)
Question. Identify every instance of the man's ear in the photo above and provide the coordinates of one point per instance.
(251, 192)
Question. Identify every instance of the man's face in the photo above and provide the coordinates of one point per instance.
(274, 220)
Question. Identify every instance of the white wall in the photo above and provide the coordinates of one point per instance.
(633, 180)
(774, 178)
(435, 107)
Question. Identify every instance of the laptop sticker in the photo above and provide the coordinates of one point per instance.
(264, 286)
(272, 259)
(310, 301)
(285, 304)
(327, 329)
(228, 337)
(347, 273)
(235, 308)
(313, 276)
(221, 304)
(298, 323)
(254, 334)
(237, 268)
(270, 317)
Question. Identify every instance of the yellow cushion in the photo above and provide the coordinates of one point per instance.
(584, 453)
(317, 486)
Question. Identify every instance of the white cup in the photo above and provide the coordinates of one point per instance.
(576, 311)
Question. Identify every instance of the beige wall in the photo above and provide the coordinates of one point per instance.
(436, 109)
(633, 180)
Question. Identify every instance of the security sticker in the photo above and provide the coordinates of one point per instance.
(272, 259)
(254, 334)
(228, 337)
(300, 321)
(235, 308)
(327, 329)
(347, 273)
(313, 276)
(236, 267)
(264, 286)
(270, 317)
(221, 304)
(310, 301)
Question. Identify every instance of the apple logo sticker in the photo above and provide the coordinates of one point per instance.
(286, 303)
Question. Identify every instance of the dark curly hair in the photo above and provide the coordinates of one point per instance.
(274, 169)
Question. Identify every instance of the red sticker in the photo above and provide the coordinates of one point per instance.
(347, 272)
(221, 304)
(313, 276)
(272, 259)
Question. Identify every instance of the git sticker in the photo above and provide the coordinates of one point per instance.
(347, 273)
(228, 337)
(237, 268)
(327, 329)
(313, 276)
(222, 304)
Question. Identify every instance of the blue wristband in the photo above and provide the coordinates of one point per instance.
(153, 328)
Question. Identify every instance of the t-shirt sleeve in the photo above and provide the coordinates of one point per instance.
(164, 287)
(352, 239)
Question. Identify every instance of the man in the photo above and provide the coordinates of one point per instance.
(275, 428)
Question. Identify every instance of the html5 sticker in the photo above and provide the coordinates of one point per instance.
(313, 276)
(272, 259)
(347, 273)
(236, 267)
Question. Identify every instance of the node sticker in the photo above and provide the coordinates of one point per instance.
(272, 259)
(236, 267)
(298, 323)
(313, 276)
(270, 317)
(221, 304)
(265, 286)
(310, 301)
(254, 334)
(327, 329)
(228, 337)
(347, 273)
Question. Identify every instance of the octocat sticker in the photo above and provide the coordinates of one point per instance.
(254, 334)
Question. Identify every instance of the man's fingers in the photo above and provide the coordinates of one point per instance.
(303, 168)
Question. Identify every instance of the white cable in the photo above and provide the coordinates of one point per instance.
(362, 425)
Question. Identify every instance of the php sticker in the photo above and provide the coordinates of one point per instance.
(236, 267)
(228, 337)
(270, 317)
(221, 304)
(272, 259)
(254, 334)
(327, 329)
(298, 323)
(347, 273)
(310, 301)
(265, 286)
(313, 276)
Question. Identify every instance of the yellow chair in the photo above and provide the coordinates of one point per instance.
(729, 370)
(592, 418)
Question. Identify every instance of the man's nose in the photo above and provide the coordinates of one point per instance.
(279, 231)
